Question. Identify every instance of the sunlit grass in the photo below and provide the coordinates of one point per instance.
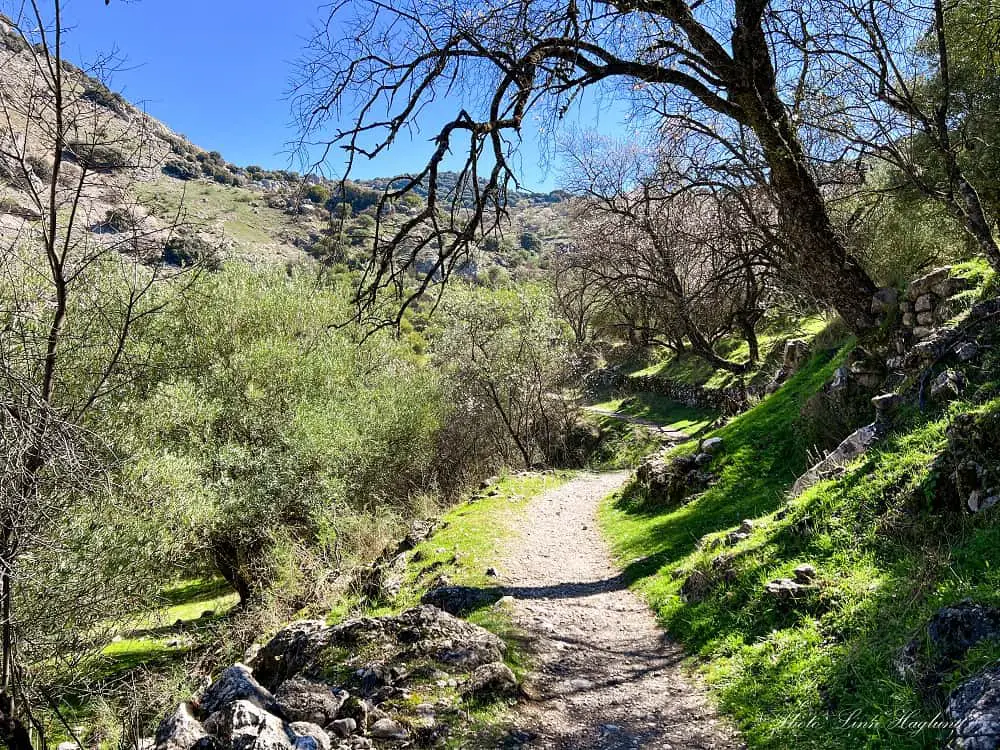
(792, 674)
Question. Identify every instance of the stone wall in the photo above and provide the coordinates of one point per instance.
(927, 303)
(731, 400)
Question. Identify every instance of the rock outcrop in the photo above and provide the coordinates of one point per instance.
(671, 481)
(319, 687)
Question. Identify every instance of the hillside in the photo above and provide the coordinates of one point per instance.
(169, 187)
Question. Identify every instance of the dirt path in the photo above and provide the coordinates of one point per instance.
(666, 433)
(606, 676)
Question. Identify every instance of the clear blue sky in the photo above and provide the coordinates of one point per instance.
(218, 72)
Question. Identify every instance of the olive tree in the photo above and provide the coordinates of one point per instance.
(506, 358)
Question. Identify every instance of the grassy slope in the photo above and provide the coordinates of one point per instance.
(662, 410)
(794, 676)
(689, 368)
(625, 444)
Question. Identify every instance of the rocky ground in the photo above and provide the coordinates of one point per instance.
(605, 675)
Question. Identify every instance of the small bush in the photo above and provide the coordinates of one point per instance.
(96, 156)
(101, 95)
(318, 194)
(181, 169)
(185, 250)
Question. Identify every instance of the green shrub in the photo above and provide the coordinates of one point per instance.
(181, 169)
(318, 194)
(187, 250)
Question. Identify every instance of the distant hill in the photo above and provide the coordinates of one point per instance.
(245, 213)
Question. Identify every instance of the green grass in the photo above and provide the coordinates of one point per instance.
(689, 368)
(663, 411)
(225, 208)
(817, 674)
(165, 634)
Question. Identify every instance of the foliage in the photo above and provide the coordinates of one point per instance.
(507, 358)
(271, 436)
(319, 194)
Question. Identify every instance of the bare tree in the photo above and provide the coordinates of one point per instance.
(81, 265)
(710, 64)
(881, 78)
(702, 257)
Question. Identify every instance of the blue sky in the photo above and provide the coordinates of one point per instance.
(218, 72)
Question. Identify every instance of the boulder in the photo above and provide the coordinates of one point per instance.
(966, 351)
(243, 725)
(886, 406)
(980, 500)
(388, 729)
(458, 600)
(711, 446)
(180, 730)
(947, 385)
(954, 630)
(974, 709)
(303, 700)
(289, 651)
(421, 633)
(492, 679)
(805, 574)
(854, 445)
(309, 736)
(235, 683)
(344, 727)
(795, 355)
(671, 481)
(785, 589)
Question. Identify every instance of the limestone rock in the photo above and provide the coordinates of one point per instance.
(785, 589)
(953, 630)
(289, 651)
(235, 683)
(671, 481)
(458, 600)
(387, 729)
(886, 405)
(852, 446)
(949, 384)
(303, 700)
(980, 500)
(180, 730)
(923, 304)
(924, 285)
(974, 708)
(495, 678)
(310, 736)
(966, 351)
(711, 446)
(344, 727)
(805, 574)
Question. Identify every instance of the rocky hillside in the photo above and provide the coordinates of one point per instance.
(141, 174)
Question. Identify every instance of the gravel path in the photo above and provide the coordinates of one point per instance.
(606, 676)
